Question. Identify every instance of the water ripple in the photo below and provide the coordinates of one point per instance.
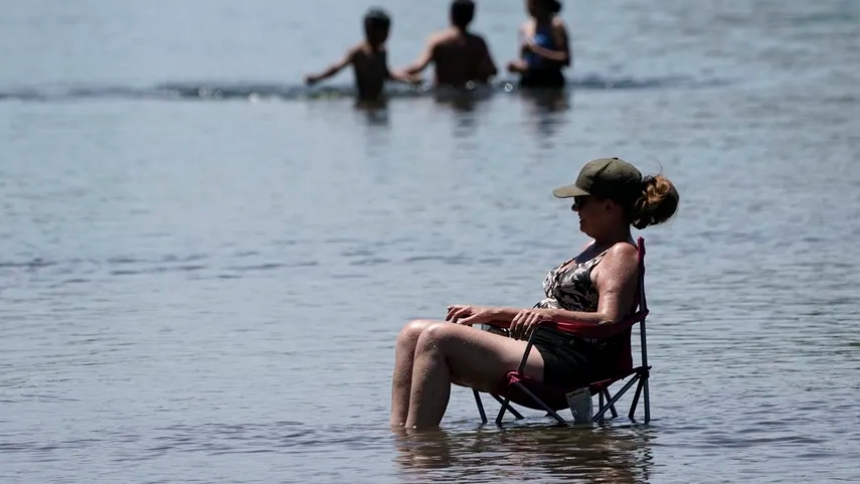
(263, 91)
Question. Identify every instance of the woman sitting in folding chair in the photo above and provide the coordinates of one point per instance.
(597, 286)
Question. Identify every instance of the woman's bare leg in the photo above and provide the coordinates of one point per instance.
(447, 351)
(401, 382)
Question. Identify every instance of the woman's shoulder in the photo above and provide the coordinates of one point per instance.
(527, 25)
(622, 254)
(624, 250)
(620, 251)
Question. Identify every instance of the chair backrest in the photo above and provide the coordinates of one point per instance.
(639, 311)
(643, 303)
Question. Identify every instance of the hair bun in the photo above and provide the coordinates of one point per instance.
(657, 204)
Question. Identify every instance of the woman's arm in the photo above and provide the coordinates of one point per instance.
(469, 314)
(504, 314)
(518, 65)
(559, 34)
(615, 280)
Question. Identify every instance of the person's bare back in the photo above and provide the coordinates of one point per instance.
(461, 57)
(370, 68)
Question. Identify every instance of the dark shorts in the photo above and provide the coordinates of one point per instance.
(542, 78)
(570, 361)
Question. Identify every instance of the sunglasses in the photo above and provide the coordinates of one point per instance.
(579, 202)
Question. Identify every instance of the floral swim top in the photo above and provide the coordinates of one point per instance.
(570, 287)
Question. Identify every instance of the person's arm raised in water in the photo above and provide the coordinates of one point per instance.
(424, 59)
(333, 69)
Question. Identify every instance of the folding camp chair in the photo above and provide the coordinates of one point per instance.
(522, 390)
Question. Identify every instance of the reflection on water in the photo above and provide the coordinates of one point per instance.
(375, 112)
(462, 100)
(548, 100)
(617, 455)
(547, 109)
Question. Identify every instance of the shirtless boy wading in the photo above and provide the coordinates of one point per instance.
(458, 55)
(369, 60)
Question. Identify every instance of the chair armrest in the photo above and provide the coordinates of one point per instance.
(596, 331)
(498, 324)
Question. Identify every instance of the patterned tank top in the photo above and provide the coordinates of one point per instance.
(570, 287)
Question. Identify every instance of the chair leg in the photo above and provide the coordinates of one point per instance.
(647, 401)
(600, 401)
(599, 416)
(505, 404)
(480, 406)
(540, 402)
(611, 407)
(636, 399)
(511, 409)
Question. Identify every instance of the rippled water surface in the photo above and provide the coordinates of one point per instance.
(203, 266)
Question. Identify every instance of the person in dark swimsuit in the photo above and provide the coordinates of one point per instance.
(545, 48)
(598, 286)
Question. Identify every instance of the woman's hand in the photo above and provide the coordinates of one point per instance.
(529, 45)
(526, 321)
(469, 315)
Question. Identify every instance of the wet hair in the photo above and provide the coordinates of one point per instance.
(377, 18)
(552, 6)
(462, 13)
(657, 203)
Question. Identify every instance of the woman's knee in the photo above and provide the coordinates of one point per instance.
(435, 337)
(410, 333)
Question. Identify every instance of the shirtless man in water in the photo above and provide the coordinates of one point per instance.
(459, 56)
(368, 60)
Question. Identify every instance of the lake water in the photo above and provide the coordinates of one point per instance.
(203, 266)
